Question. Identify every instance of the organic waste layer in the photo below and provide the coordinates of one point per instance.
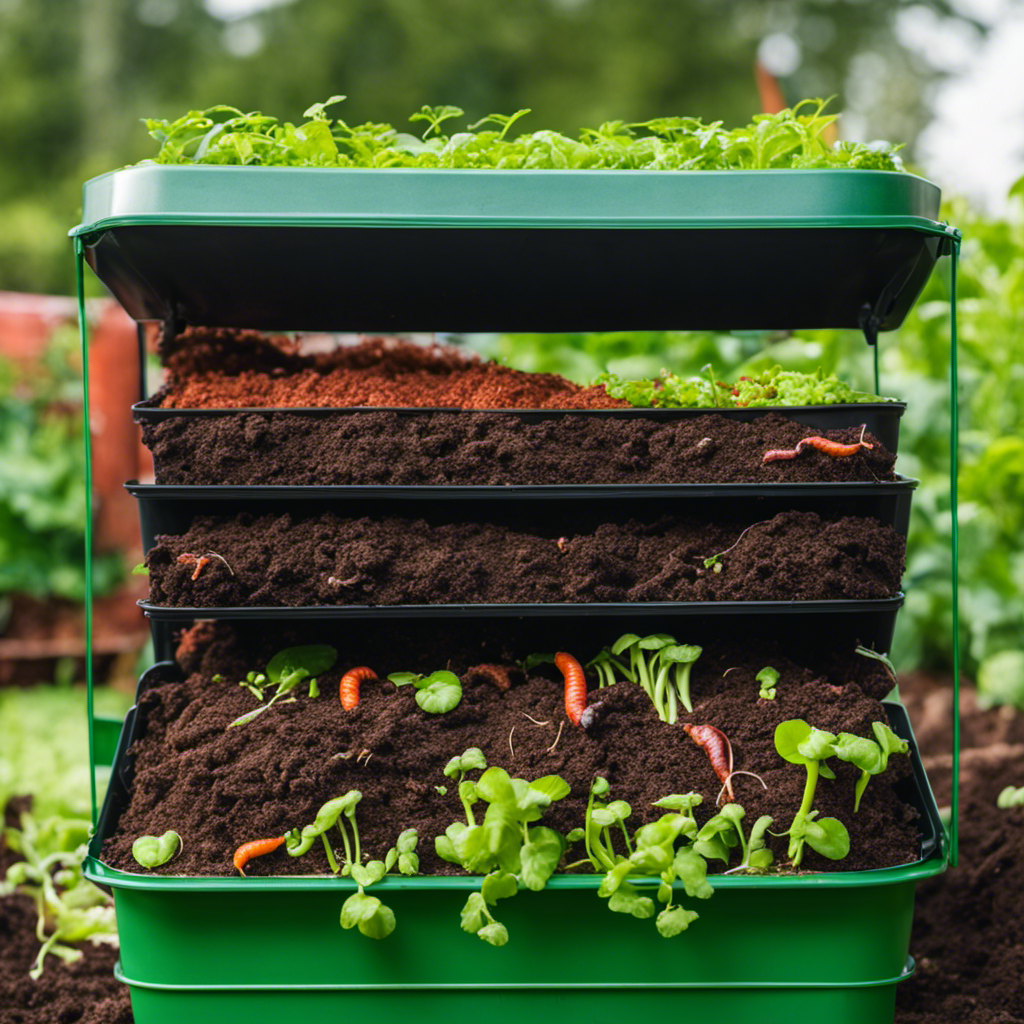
(226, 369)
(968, 937)
(219, 785)
(327, 560)
(473, 448)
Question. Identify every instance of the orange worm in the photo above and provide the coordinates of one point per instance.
(348, 689)
(575, 686)
(716, 745)
(823, 444)
(255, 848)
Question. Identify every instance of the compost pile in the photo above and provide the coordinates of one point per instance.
(277, 560)
(84, 992)
(219, 785)
(476, 448)
(968, 936)
(229, 369)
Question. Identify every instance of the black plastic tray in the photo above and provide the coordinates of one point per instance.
(918, 794)
(881, 418)
(170, 509)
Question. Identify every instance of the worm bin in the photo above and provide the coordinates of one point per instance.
(415, 538)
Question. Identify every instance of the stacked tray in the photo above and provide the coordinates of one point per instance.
(358, 249)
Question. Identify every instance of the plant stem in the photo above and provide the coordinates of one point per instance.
(625, 834)
(348, 848)
(330, 853)
(351, 815)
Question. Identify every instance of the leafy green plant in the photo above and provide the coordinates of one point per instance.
(504, 845)
(657, 663)
(152, 851)
(286, 670)
(1010, 797)
(437, 693)
(800, 743)
(870, 756)
(373, 918)
(69, 906)
(768, 677)
(771, 387)
(756, 855)
(793, 137)
(652, 853)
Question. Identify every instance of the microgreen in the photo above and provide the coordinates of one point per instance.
(800, 743)
(367, 913)
(503, 845)
(437, 693)
(767, 677)
(870, 756)
(793, 137)
(652, 852)
(152, 851)
(286, 670)
(756, 855)
(1010, 797)
(867, 652)
(652, 661)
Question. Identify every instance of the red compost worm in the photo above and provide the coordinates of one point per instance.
(575, 685)
(716, 745)
(823, 444)
(348, 689)
(255, 848)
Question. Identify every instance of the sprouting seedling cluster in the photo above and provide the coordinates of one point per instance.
(800, 743)
(504, 845)
(768, 677)
(658, 663)
(870, 756)
(652, 853)
(286, 670)
(70, 908)
(437, 693)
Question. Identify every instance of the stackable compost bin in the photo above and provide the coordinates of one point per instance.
(352, 250)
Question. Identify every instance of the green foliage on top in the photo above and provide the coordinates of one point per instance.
(771, 387)
(791, 138)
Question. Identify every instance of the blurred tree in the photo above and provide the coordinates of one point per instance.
(75, 85)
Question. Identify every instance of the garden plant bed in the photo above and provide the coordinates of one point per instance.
(326, 560)
(476, 448)
(219, 786)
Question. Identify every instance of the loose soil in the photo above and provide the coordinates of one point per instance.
(228, 369)
(220, 786)
(326, 560)
(84, 992)
(471, 448)
(968, 936)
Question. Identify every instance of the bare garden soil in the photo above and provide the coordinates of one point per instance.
(275, 560)
(474, 448)
(220, 786)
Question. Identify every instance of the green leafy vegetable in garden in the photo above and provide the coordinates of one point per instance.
(771, 387)
(791, 138)
(800, 743)
(70, 907)
(505, 846)
(437, 693)
(152, 851)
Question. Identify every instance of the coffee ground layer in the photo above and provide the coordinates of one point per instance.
(325, 560)
(472, 448)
